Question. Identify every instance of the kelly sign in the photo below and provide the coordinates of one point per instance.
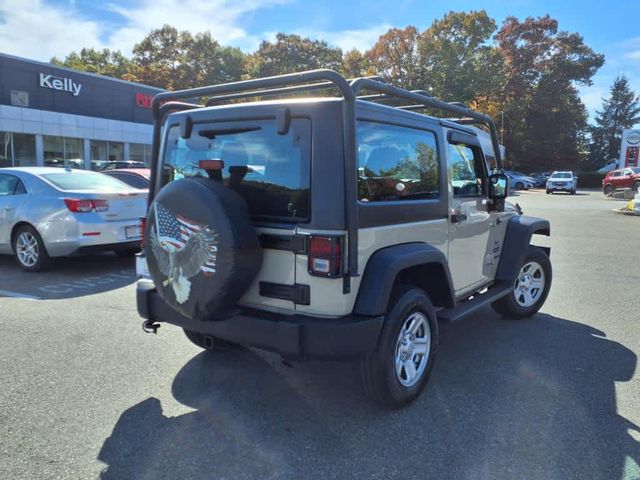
(63, 84)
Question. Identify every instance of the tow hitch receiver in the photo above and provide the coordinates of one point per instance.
(149, 327)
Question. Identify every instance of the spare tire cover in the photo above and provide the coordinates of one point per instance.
(201, 248)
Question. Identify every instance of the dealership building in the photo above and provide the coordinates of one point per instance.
(56, 116)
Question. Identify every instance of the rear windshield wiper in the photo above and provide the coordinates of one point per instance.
(211, 134)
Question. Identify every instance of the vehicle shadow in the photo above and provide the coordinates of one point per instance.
(531, 399)
(67, 277)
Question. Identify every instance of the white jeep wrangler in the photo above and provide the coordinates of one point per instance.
(330, 227)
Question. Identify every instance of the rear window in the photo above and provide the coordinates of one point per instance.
(270, 171)
(85, 181)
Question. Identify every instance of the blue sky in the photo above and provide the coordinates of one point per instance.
(40, 29)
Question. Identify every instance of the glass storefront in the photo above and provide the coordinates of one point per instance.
(103, 152)
(140, 152)
(17, 149)
(62, 152)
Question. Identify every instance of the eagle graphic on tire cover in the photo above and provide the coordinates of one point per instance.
(182, 248)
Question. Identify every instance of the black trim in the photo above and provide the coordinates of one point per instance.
(293, 336)
(292, 243)
(516, 244)
(298, 293)
(455, 136)
(375, 214)
(383, 268)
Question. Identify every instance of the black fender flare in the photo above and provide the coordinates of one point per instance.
(383, 268)
(516, 243)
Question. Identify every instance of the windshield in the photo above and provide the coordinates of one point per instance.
(269, 170)
(562, 175)
(85, 181)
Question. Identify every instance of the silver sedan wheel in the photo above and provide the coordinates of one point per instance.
(27, 249)
(412, 349)
(529, 284)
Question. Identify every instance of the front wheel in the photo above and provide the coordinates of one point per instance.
(572, 192)
(519, 186)
(29, 249)
(396, 372)
(608, 190)
(530, 287)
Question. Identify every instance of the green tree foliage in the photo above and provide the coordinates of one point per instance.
(545, 118)
(103, 62)
(621, 110)
(356, 64)
(175, 60)
(395, 57)
(457, 60)
(292, 53)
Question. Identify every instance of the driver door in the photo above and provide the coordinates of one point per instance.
(469, 218)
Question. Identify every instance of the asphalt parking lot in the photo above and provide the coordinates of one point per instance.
(84, 393)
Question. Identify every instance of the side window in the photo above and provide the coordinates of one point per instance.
(466, 170)
(8, 184)
(20, 188)
(615, 174)
(396, 163)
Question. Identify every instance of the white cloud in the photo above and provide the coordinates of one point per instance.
(33, 29)
(39, 30)
(361, 39)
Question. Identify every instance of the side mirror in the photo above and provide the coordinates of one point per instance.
(498, 186)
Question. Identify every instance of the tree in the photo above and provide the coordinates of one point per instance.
(103, 62)
(395, 57)
(292, 53)
(545, 119)
(621, 110)
(457, 61)
(175, 60)
(356, 64)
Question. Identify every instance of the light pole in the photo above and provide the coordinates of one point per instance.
(502, 127)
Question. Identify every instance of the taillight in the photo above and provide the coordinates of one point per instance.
(325, 256)
(143, 225)
(85, 205)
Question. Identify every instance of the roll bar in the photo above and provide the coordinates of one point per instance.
(314, 80)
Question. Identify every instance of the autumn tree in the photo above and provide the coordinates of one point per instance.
(292, 53)
(621, 110)
(544, 117)
(395, 57)
(356, 64)
(175, 60)
(107, 62)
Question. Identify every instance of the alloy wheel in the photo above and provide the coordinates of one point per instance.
(27, 249)
(529, 284)
(412, 349)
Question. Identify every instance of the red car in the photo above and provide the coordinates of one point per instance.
(623, 178)
(134, 177)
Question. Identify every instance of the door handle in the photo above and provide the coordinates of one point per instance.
(458, 217)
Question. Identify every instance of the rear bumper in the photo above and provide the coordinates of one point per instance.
(292, 336)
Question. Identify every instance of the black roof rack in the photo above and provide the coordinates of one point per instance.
(316, 80)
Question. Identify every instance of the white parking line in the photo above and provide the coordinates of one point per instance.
(7, 293)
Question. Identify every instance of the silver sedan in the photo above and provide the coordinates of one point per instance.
(53, 212)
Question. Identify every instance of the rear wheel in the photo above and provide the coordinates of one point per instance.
(530, 287)
(208, 342)
(29, 249)
(397, 371)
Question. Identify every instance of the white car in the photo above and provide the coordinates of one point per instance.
(562, 182)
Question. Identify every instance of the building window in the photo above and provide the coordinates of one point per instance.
(17, 149)
(63, 152)
(139, 152)
(103, 152)
(19, 98)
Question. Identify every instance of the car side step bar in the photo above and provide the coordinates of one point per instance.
(463, 309)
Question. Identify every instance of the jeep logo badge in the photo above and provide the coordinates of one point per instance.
(63, 84)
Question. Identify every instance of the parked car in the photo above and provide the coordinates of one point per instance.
(621, 178)
(119, 164)
(53, 212)
(562, 182)
(519, 181)
(134, 177)
(311, 265)
(540, 178)
(609, 166)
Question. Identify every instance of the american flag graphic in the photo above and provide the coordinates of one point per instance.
(176, 230)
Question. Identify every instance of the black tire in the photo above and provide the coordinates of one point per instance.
(377, 368)
(42, 257)
(209, 343)
(519, 186)
(572, 192)
(636, 187)
(508, 306)
(548, 192)
(608, 190)
(203, 275)
(129, 252)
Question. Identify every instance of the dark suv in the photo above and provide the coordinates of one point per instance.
(330, 227)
